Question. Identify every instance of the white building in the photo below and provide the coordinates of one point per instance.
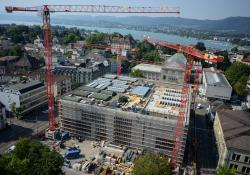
(26, 95)
(172, 71)
(215, 85)
(3, 120)
(231, 129)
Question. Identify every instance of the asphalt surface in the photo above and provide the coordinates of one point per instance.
(30, 125)
(205, 144)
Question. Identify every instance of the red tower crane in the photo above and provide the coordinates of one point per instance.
(191, 53)
(45, 10)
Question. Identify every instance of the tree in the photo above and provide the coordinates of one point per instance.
(224, 170)
(148, 52)
(152, 164)
(240, 86)
(70, 38)
(137, 73)
(235, 49)
(237, 75)
(226, 61)
(16, 111)
(30, 157)
(200, 46)
(97, 38)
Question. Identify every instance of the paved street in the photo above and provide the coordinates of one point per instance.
(31, 124)
(206, 151)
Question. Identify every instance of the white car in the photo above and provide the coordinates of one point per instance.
(199, 106)
(12, 148)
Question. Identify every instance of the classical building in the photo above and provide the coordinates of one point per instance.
(171, 72)
(232, 130)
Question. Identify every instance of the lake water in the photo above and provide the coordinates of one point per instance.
(139, 35)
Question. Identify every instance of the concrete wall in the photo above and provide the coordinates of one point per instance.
(8, 98)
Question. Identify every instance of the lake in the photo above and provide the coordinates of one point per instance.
(219, 45)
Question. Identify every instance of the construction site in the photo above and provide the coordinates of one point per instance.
(128, 112)
(150, 114)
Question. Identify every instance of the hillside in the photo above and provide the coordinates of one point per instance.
(231, 24)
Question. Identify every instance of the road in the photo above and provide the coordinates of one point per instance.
(205, 145)
(30, 125)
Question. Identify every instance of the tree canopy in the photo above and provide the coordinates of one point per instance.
(30, 157)
(152, 164)
(200, 46)
(96, 38)
(137, 73)
(224, 170)
(70, 38)
(237, 75)
(226, 61)
(147, 51)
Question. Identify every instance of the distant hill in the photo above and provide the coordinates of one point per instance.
(231, 24)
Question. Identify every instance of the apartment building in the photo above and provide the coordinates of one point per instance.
(26, 95)
(61, 84)
(231, 130)
(125, 111)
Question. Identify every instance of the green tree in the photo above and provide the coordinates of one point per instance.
(16, 111)
(237, 75)
(147, 51)
(30, 157)
(226, 61)
(96, 38)
(235, 49)
(240, 86)
(152, 164)
(224, 170)
(70, 38)
(200, 46)
(137, 73)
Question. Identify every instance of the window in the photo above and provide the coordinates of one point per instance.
(245, 170)
(247, 160)
(233, 166)
(164, 77)
(236, 157)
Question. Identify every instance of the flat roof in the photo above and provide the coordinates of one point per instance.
(236, 128)
(215, 78)
(140, 90)
(25, 86)
(148, 67)
(142, 97)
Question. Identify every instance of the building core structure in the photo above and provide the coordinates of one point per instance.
(126, 111)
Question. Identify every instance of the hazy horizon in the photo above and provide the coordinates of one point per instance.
(193, 9)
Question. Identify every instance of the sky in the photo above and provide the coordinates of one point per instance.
(196, 9)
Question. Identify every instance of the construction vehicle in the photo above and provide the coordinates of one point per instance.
(72, 153)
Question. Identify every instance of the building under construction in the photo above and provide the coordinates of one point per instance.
(126, 111)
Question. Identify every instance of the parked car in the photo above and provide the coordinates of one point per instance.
(199, 106)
